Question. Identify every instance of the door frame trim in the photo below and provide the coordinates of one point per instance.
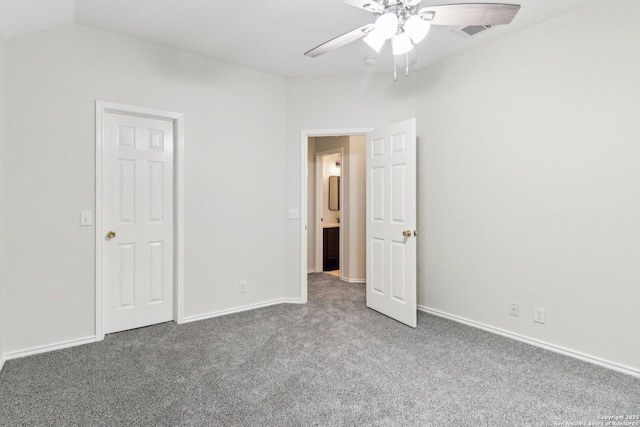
(103, 108)
(305, 134)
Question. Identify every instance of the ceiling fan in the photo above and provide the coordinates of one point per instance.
(406, 24)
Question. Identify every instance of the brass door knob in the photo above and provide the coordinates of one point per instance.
(111, 234)
(406, 233)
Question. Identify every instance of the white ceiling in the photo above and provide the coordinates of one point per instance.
(266, 35)
(22, 17)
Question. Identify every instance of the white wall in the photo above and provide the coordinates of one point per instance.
(366, 101)
(529, 172)
(3, 304)
(234, 158)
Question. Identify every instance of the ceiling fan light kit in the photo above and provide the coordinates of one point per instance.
(401, 44)
(375, 40)
(417, 28)
(405, 24)
(387, 25)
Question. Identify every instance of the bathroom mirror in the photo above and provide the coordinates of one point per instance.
(334, 193)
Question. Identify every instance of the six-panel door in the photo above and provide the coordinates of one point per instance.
(138, 208)
(391, 221)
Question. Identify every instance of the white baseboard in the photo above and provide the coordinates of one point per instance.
(212, 314)
(349, 280)
(537, 343)
(344, 279)
(87, 340)
(49, 347)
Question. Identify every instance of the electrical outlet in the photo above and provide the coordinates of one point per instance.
(243, 286)
(514, 309)
(538, 314)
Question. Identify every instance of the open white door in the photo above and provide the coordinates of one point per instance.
(391, 221)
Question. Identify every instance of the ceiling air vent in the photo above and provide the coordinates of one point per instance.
(472, 30)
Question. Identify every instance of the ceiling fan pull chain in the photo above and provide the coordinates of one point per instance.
(395, 69)
(406, 70)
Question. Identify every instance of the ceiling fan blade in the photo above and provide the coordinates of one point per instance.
(470, 14)
(369, 5)
(340, 41)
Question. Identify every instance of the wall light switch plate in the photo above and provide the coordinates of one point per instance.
(86, 218)
(293, 214)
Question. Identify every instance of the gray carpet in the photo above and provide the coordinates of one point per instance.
(331, 362)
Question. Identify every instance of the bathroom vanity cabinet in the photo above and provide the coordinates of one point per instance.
(331, 249)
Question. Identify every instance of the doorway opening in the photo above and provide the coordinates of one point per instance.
(389, 200)
(326, 205)
(344, 220)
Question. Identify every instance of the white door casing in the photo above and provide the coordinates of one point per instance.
(136, 274)
(391, 221)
